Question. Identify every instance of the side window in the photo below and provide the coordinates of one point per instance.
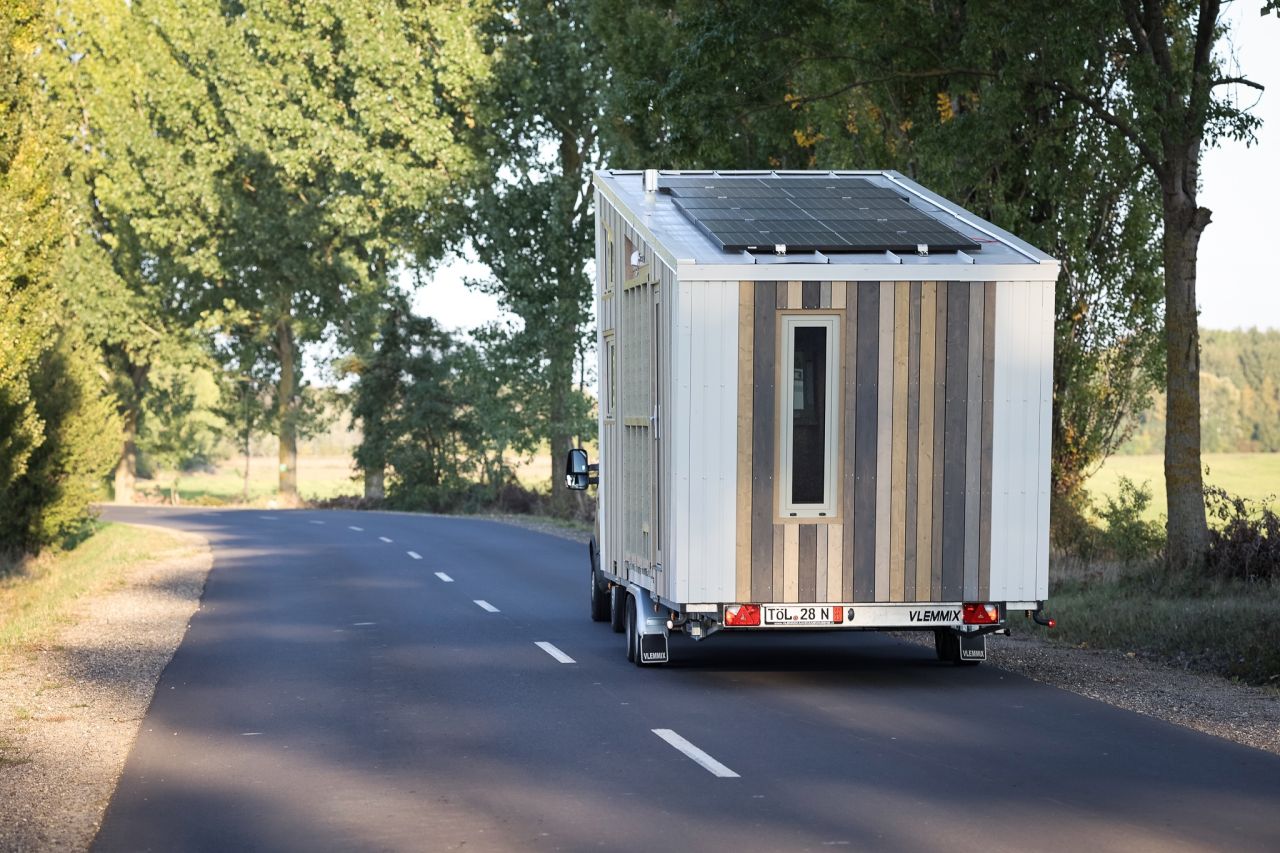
(613, 266)
(809, 422)
(610, 377)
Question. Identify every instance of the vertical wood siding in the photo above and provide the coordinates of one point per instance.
(918, 405)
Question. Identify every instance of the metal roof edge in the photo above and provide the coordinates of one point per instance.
(659, 246)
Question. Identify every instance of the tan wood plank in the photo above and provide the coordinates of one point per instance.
(924, 470)
(746, 327)
(898, 487)
(791, 562)
(821, 573)
(778, 543)
(839, 298)
(795, 294)
(835, 560)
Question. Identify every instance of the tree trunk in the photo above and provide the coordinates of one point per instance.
(245, 492)
(127, 468)
(1188, 532)
(287, 408)
(560, 438)
(375, 484)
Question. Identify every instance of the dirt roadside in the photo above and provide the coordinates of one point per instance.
(70, 709)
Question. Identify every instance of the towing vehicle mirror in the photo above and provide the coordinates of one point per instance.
(577, 473)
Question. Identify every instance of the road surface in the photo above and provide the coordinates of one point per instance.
(378, 681)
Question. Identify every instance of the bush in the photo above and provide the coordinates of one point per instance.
(1128, 536)
(1245, 544)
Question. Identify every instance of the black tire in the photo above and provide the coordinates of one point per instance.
(632, 633)
(618, 609)
(599, 594)
(947, 646)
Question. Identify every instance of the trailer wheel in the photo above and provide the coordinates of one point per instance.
(599, 599)
(618, 609)
(942, 642)
(633, 636)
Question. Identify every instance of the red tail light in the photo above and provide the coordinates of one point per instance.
(981, 614)
(741, 615)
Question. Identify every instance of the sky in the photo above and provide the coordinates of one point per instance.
(1239, 281)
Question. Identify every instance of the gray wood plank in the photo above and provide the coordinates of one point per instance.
(848, 383)
(988, 418)
(762, 442)
(913, 441)
(973, 443)
(939, 427)
(811, 295)
(866, 433)
(954, 440)
(808, 562)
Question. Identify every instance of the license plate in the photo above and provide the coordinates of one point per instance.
(802, 614)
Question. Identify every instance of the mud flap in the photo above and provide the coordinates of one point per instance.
(653, 648)
(973, 647)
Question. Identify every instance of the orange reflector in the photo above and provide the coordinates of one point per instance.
(981, 614)
(741, 615)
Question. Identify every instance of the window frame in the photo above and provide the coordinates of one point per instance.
(610, 389)
(828, 510)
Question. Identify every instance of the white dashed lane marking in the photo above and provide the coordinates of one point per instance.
(414, 554)
(484, 605)
(715, 768)
(554, 652)
(356, 529)
(317, 522)
(384, 539)
(444, 577)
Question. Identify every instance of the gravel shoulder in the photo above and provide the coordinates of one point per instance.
(70, 709)
(1206, 703)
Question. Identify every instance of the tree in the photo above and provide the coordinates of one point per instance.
(531, 223)
(934, 91)
(1160, 86)
(58, 431)
(276, 158)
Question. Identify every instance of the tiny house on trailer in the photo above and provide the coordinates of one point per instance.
(824, 404)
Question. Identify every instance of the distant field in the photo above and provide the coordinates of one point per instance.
(1251, 475)
(319, 477)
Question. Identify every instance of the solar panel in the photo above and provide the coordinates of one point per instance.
(820, 214)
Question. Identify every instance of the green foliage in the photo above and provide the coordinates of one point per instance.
(81, 442)
(531, 223)
(1244, 541)
(1128, 535)
(59, 434)
(270, 162)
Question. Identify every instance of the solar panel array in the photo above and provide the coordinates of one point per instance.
(818, 214)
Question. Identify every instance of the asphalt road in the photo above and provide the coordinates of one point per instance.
(334, 693)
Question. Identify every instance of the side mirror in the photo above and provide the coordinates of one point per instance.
(577, 472)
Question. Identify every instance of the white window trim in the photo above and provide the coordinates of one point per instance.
(827, 509)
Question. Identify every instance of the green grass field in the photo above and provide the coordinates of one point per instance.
(319, 478)
(1250, 475)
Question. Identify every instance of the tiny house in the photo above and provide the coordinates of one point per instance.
(824, 404)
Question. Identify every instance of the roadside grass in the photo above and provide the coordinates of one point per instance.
(1249, 475)
(37, 595)
(1232, 629)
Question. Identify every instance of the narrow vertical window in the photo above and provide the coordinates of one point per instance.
(810, 409)
(610, 375)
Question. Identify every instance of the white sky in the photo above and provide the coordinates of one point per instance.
(1238, 283)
